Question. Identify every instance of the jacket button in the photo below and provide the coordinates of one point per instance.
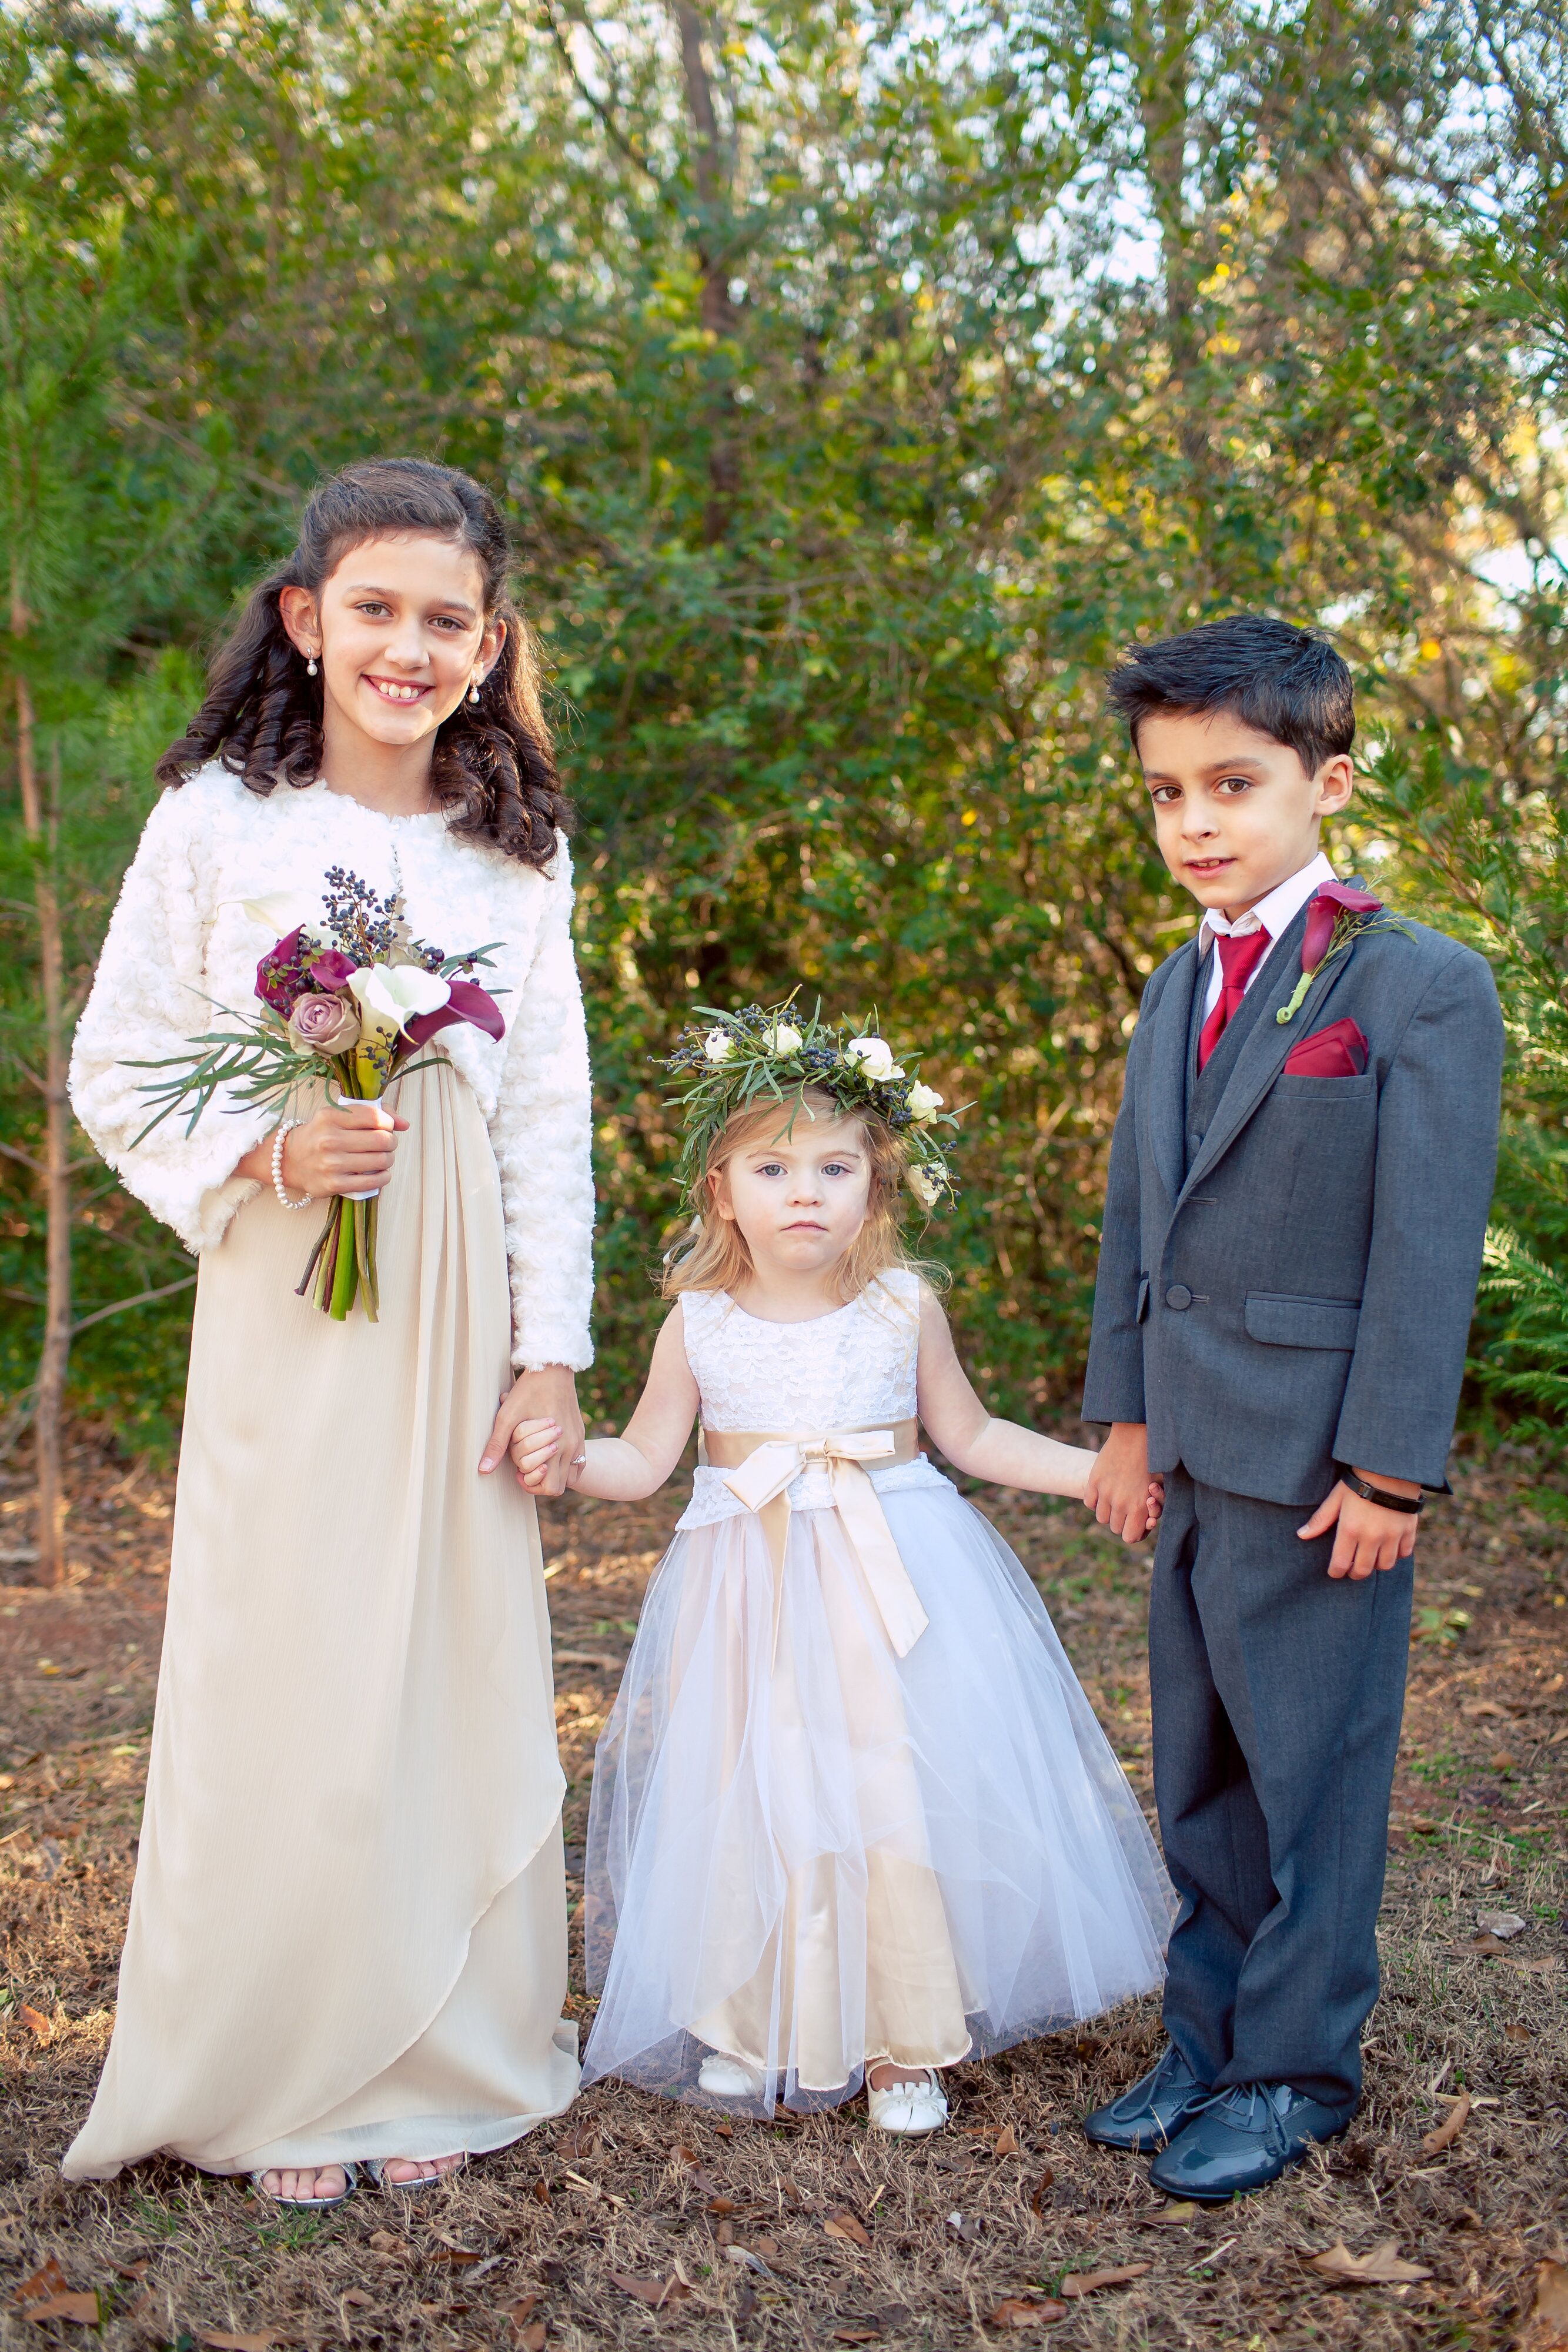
(1178, 1295)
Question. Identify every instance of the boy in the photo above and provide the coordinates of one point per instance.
(1294, 1229)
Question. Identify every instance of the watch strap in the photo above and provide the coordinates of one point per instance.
(1409, 1504)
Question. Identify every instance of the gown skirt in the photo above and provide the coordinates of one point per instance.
(812, 1854)
(347, 1930)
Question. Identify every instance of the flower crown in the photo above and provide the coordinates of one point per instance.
(759, 1052)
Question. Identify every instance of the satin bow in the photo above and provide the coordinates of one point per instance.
(762, 1483)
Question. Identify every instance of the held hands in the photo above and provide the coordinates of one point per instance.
(338, 1151)
(540, 1427)
(1369, 1537)
(1119, 1489)
(533, 1447)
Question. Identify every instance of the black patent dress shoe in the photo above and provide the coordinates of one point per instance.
(1240, 2139)
(1153, 2111)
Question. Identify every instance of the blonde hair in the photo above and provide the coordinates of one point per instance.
(712, 1252)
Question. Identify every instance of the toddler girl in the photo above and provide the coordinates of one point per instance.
(852, 1817)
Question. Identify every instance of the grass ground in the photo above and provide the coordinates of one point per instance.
(634, 2222)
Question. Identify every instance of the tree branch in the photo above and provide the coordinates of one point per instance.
(143, 1298)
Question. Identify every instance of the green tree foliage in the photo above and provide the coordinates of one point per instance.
(859, 381)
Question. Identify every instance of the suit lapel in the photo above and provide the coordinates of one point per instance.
(1264, 1054)
(1166, 1096)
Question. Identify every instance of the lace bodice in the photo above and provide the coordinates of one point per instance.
(854, 1369)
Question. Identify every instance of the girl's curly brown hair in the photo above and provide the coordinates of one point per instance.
(493, 767)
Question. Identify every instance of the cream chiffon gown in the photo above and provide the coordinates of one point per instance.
(347, 1934)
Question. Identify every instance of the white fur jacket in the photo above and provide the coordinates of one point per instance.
(179, 941)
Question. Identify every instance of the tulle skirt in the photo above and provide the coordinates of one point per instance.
(811, 1855)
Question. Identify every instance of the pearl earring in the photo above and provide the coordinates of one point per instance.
(474, 690)
(311, 666)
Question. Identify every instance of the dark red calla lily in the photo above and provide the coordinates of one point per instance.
(1329, 901)
(279, 976)
(465, 1003)
(333, 969)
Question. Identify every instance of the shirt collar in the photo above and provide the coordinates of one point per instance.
(1274, 913)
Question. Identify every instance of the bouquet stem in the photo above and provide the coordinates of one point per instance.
(346, 1273)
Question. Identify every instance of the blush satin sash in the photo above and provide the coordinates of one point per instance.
(758, 1468)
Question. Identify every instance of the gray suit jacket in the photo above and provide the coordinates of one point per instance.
(1296, 1289)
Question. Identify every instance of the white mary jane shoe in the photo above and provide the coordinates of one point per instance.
(908, 2108)
(726, 2078)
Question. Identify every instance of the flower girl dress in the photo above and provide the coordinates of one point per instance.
(851, 1802)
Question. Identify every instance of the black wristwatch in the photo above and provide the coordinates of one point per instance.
(1410, 1504)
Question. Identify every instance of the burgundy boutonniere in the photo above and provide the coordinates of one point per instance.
(1337, 913)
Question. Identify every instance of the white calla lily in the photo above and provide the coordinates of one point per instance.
(282, 911)
(392, 995)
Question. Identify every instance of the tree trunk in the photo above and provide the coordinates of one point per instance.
(55, 1182)
(1161, 49)
(713, 261)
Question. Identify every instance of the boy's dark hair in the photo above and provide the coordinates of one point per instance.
(1286, 682)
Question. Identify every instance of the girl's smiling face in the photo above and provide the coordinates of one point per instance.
(399, 632)
(800, 1199)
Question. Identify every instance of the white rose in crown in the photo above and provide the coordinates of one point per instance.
(925, 1180)
(875, 1055)
(924, 1102)
(784, 1039)
(718, 1045)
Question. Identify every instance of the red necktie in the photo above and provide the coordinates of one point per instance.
(1238, 960)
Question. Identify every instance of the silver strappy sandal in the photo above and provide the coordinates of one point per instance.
(376, 2166)
(351, 2173)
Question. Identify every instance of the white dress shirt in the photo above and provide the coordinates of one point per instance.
(1275, 913)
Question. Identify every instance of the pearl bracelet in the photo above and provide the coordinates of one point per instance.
(286, 1129)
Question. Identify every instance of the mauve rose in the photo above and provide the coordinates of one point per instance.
(324, 1025)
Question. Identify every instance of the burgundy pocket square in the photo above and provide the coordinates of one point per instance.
(1340, 1051)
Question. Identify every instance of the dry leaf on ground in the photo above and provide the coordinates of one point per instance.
(383, 2242)
(1546, 2330)
(1384, 2266)
(262, 2342)
(845, 2225)
(36, 2025)
(1449, 2132)
(657, 2292)
(1026, 2311)
(1007, 2142)
(1500, 1923)
(50, 2281)
(1078, 2283)
(80, 2308)
(1485, 1948)
(1179, 2214)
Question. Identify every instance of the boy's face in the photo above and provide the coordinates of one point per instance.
(1236, 814)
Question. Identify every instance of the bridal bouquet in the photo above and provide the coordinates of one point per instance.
(346, 1002)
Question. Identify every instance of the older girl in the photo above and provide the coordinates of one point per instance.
(348, 1932)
